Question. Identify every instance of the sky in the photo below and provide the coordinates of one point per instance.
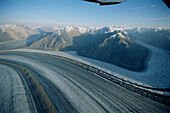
(132, 13)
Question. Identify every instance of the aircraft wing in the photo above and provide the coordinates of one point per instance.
(167, 2)
(106, 2)
(112, 2)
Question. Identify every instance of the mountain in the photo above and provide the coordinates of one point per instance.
(4, 36)
(120, 50)
(103, 43)
(157, 37)
(57, 40)
(49, 41)
(116, 45)
(17, 32)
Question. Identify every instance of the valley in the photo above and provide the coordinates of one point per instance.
(84, 69)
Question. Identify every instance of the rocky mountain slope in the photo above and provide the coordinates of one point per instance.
(54, 40)
(117, 49)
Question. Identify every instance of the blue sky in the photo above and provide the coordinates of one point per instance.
(140, 13)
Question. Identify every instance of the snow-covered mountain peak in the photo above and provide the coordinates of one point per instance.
(8, 26)
(58, 32)
(159, 29)
(56, 28)
(36, 27)
(69, 28)
(82, 30)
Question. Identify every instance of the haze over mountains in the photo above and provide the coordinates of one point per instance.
(117, 45)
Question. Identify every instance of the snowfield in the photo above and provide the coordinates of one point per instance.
(157, 75)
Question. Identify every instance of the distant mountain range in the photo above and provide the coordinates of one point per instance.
(116, 45)
(17, 32)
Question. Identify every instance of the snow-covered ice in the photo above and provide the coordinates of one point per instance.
(79, 98)
(12, 97)
(157, 75)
